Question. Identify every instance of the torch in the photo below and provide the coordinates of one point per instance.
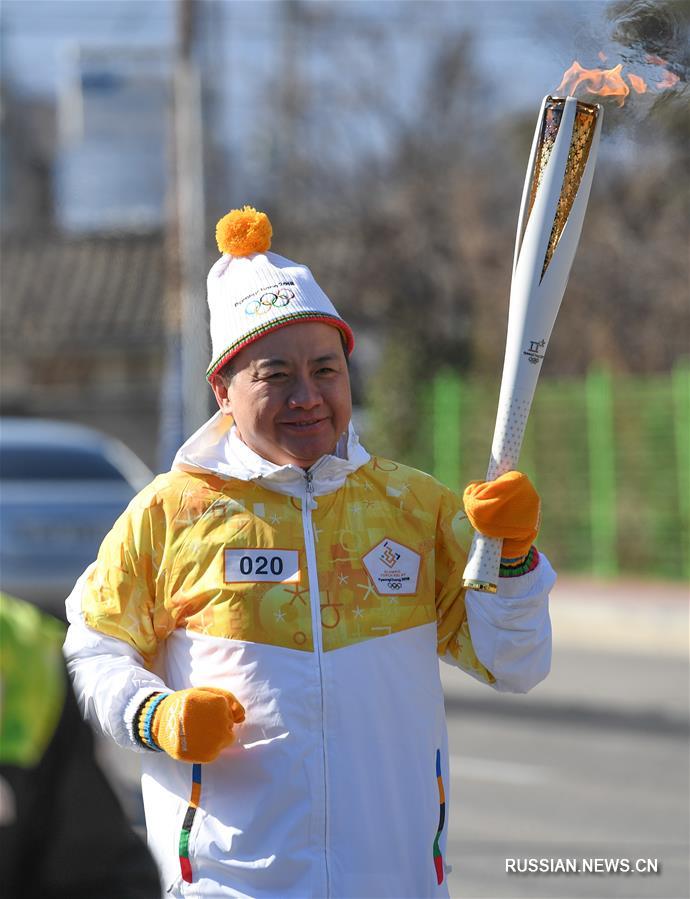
(554, 199)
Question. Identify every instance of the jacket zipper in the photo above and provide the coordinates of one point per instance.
(315, 602)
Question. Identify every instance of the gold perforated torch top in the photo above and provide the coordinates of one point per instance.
(584, 126)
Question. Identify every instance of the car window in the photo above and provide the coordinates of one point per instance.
(55, 464)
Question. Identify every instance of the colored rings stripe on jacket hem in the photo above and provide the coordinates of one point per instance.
(438, 857)
(185, 863)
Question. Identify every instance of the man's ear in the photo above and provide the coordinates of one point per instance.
(220, 391)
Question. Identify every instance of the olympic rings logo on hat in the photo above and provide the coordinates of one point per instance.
(269, 301)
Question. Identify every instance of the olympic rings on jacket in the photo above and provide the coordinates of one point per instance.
(268, 301)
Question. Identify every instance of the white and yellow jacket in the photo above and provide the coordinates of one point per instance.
(322, 600)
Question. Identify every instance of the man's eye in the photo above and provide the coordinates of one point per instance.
(326, 371)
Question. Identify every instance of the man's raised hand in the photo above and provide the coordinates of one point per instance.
(507, 508)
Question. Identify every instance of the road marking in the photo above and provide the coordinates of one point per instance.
(466, 767)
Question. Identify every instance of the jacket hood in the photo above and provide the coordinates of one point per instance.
(217, 448)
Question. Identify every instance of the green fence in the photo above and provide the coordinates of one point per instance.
(609, 455)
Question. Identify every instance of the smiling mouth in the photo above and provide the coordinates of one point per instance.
(307, 423)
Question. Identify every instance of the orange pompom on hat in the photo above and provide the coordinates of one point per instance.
(252, 291)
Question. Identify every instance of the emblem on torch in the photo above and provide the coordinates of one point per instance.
(554, 200)
(533, 353)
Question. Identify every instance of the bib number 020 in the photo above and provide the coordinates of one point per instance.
(279, 566)
(262, 563)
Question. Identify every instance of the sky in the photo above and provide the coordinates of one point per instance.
(541, 37)
(521, 47)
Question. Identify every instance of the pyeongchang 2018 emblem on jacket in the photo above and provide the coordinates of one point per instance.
(393, 568)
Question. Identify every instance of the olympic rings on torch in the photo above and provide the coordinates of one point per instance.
(269, 301)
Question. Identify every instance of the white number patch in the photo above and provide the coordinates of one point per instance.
(277, 566)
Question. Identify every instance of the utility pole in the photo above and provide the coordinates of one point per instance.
(293, 102)
(185, 396)
(189, 134)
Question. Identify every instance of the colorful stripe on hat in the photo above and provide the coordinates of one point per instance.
(273, 325)
(438, 858)
(185, 864)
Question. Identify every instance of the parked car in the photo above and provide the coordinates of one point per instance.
(62, 486)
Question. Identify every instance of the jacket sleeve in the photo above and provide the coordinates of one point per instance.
(116, 625)
(503, 639)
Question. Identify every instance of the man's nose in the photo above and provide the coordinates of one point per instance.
(304, 394)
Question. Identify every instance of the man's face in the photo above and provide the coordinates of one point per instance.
(290, 394)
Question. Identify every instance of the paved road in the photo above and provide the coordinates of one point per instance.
(532, 777)
(593, 763)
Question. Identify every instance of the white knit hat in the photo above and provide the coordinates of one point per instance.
(252, 292)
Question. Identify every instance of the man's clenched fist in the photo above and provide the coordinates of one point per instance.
(507, 508)
(195, 725)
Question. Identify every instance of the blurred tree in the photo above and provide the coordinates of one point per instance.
(628, 298)
(402, 194)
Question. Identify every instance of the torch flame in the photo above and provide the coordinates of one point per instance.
(638, 84)
(605, 82)
(669, 79)
(611, 82)
(653, 60)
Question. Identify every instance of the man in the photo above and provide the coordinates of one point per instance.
(63, 834)
(264, 621)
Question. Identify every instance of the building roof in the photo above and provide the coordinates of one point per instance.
(59, 292)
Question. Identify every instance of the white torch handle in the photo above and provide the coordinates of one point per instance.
(483, 564)
(535, 298)
(484, 559)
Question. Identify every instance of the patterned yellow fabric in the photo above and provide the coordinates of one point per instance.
(162, 566)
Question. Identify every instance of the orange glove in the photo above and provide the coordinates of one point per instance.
(194, 725)
(508, 507)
